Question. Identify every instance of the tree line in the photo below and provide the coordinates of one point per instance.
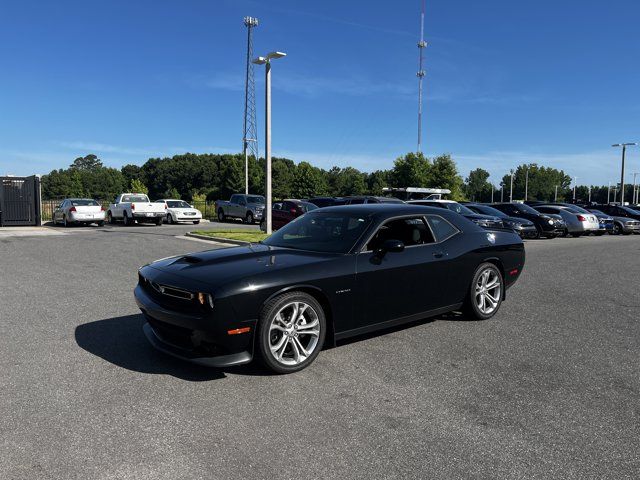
(198, 177)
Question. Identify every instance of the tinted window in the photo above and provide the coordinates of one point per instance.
(321, 232)
(410, 231)
(356, 201)
(84, 203)
(255, 199)
(441, 228)
(307, 207)
(277, 206)
(234, 199)
(486, 210)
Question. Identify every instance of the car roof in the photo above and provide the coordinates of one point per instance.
(385, 209)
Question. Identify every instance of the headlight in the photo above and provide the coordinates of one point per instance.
(550, 222)
(205, 299)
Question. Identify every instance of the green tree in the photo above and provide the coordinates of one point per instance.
(138, 187)
(377, 180)
(477, 186)
(308, 181)
(444, 174)
(282, 171)
(411, 170)
(88, 162)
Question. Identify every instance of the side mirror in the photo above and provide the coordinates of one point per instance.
(394, 246)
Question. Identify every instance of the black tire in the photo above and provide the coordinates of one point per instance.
(125, 219)
(159, 221)
(101, 224)
(110, 218)
(221, 216)
(617, 229)
(196, 222)
(265, 335)
(249, 218)
(263, 225)
(471, 307)
(169, 219)
(64, 221)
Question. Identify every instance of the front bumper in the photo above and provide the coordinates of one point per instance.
(192, 337)
(527, 232)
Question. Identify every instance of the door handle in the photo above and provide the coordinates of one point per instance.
(438, 254)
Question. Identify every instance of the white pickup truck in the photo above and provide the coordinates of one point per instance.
(130, 207)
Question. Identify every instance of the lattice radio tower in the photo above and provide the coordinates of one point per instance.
(421, 46)
(250, 133)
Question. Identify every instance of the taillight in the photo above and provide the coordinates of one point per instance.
(72, 209)
(581, 218)
(102, 209)
(133, 206)
(165, 206)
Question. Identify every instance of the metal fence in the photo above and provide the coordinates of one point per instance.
(208, 209)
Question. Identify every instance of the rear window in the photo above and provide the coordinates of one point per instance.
(178, 204)
(84, 203)
(255, 199)
(135, 198)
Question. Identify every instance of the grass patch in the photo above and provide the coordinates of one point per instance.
(234, 235)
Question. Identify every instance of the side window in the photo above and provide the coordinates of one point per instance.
(356, 201)
(410, 231)
(442, 229)
(277, 206)
(233, 199)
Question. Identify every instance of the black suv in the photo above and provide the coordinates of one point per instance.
(547, 226)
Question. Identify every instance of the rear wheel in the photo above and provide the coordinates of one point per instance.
(159, 221)
(485, 294)
(65, 222)
(110, 218)
(291, 332)
(125, 219)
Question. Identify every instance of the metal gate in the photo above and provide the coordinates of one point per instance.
(19, 201)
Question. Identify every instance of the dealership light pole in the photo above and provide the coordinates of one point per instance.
(555, 199)
(526, 185)
(511, 190)
(634, 200)
(502, 192)
(575, 181)
(492, 189)
(589, 194)
(266, 61)
(609, 194)
(624, 149)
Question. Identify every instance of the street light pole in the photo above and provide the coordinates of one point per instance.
(502, 193)
(575, 181)
(633, 192)
(266, 61)
(555, 199)
(511, 190)
(624, 149)
(609, 194)
(589, 194)
(526, 185)
(492, 189)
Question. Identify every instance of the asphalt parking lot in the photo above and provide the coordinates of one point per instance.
(548, 388)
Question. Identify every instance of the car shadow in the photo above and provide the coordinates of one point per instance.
(121, 341)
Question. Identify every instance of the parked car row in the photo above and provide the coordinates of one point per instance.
(128, 208)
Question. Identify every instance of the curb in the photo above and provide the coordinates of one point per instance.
(217, 239)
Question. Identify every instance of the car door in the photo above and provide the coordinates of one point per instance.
(402, 285)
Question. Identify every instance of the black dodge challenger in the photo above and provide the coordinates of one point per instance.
(332, 273)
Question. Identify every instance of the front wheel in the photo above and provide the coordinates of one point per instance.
(249, 218)
(617, 229)
(485, 294)
(221, 216)
(169, 219)
(291, 332)
(110, 218)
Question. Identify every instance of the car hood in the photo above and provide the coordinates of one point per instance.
(624, 219)
(217, 267)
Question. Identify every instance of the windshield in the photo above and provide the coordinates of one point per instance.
(255, 199)
(84, 203)
(630, 210)
(461, 209)
(135, 198)
(576, 208)
(178, 204)
(521, 207)
(328, 232)
(489, 211)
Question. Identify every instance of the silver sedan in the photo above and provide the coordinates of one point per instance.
(74, 211)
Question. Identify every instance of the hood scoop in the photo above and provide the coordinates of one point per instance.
(190, 259)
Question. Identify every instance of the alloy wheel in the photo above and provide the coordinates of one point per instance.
(294, 332)
(488, 289)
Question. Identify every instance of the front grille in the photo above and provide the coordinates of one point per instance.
(173, 334)
(170, 297)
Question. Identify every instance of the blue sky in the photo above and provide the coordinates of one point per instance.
(553, 82)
